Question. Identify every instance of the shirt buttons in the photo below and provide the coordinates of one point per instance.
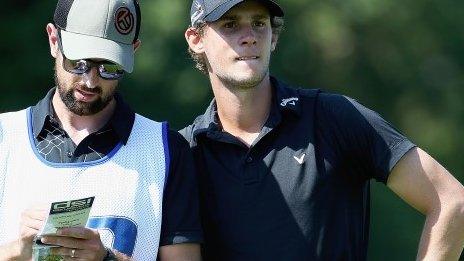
(69, 154)
(249, 159)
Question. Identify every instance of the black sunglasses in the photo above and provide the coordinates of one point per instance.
(106, 69)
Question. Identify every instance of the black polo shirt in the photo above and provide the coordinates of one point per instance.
(180, 221)
(301, 191)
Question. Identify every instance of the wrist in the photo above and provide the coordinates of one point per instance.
(11, 252)
(16, 253)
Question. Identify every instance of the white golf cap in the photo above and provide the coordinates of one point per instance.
(99, 29)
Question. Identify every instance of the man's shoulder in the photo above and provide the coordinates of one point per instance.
(330, 100)
(12, 115)
(330, 106)
(326, 101)
(142, 126)
(324, 98)
(342, 107)
(8, 119)
(176, 140)
(8, 114)
(287, 92)
(145, 119)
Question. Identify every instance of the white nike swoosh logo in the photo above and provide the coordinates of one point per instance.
(300, 159)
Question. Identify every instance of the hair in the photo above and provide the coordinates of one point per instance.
(277, 25)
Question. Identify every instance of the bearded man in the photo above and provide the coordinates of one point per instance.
(82, 140)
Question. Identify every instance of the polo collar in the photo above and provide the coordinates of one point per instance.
(284, 99)
(209, 121)
(41, 112)
(121, 121)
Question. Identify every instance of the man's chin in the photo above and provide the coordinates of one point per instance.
(82, 108)
(83, 103)
(248, 80)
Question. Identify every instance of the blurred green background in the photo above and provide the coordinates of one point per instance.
(404, 59)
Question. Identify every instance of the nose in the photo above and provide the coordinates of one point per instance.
(90, 78)
(249, 36)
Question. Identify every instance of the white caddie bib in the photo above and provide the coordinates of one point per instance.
(127, 184)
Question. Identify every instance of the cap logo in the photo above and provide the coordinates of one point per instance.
(124, 20)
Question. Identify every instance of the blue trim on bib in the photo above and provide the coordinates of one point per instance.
(167, 158)
(124, 230)
(64, 165)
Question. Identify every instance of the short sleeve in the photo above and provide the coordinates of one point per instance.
(362, 139)
(181, 222)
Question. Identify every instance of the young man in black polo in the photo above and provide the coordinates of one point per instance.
(82, 141)
(285, 172)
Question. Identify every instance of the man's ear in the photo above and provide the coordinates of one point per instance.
(137, 44)
(274, 40)
(52, 34)
(194, 40)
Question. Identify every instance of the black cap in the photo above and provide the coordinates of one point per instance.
(212, 10)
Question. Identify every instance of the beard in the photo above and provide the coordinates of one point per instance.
(244, 83)
(78, 107)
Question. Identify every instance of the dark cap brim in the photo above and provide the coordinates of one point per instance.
(274, 9)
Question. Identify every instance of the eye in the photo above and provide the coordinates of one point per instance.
(103, 68)
(259, 23)
(230, 24)
(81, 65)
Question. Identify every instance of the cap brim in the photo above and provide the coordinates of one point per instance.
(274, 9)
(79, 46)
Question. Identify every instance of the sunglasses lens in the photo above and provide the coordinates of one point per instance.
(75, 66)
(110, 71)
(107, 70)
(110, 68)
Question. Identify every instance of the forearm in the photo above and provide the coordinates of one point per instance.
(443, 234)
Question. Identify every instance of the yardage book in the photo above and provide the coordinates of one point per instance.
(71, 213)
